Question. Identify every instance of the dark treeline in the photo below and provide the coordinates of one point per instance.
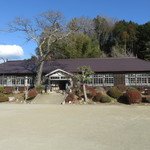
(104, 37)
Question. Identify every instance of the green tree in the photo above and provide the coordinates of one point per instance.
(124, 34)
(78, 45)
(143, 42)
(84, 77)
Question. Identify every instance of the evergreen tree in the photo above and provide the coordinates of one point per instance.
(143, 43)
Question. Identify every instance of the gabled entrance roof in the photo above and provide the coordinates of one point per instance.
(59, 70)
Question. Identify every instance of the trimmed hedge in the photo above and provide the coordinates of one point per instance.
(132, 89)
(115, 93)
(133, 97)
(105, 99)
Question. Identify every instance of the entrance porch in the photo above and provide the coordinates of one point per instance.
(59, 80)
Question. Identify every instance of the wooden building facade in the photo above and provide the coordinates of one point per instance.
(58, 73)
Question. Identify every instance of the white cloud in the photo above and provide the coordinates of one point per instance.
(11, 51)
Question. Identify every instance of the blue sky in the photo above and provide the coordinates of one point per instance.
(135, 10)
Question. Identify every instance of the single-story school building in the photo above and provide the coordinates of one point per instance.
(58, 73)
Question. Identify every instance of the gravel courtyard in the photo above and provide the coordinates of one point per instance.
(74, 127)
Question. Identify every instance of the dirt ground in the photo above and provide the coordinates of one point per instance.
(74, 127)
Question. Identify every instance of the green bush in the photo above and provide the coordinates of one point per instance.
(105, 99)
(115, 92)
(40, 88)
(133, 97)
(132, 89)
(2, 89)
(3, 98)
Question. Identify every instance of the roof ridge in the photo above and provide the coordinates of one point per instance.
(103, 58)
(96, 58)
(18, 60)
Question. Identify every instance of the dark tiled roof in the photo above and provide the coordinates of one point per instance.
(14, 67)
(71, 65)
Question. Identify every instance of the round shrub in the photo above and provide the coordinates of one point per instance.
(105, 99)
(133, 97)
(32, 93)
(115, 92)
(3, 98)
(122, 87)
(132, 89)
(97, 97)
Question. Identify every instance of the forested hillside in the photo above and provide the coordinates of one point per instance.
(104, 37)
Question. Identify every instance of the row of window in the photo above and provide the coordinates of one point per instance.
(15, 81)
(130, 80)
(96, 80)
(58, 78)
(137, 79)
(101, 80)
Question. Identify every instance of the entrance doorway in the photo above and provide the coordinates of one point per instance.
(59, 85)
(63, 85)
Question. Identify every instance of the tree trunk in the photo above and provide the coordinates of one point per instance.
(84, 92)
(39, 73)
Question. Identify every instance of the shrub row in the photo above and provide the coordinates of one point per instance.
(131, 95)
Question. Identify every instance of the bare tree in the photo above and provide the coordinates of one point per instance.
(45, 29)
(118, 51)
(81, 25)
